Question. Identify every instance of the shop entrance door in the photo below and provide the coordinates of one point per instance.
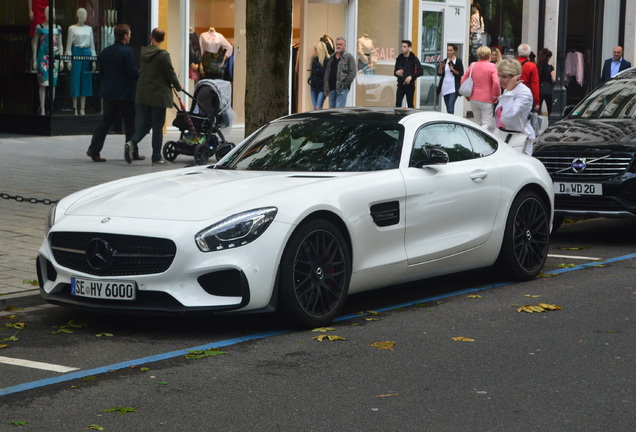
(431, 53)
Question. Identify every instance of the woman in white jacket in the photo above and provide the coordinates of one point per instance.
(513, 109)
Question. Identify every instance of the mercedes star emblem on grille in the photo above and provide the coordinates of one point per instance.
(578, 165)
(99, 254)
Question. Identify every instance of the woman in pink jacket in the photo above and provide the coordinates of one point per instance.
(486, 89)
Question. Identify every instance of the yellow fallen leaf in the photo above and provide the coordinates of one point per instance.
(474, 296)
(532, 296)
(3, 345)
(531, 309)
(548, 306)
(323, 329)
(383, 345)
(463, 339)
(388, 395)
(321, 338)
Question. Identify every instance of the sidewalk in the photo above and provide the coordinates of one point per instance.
(51, 168)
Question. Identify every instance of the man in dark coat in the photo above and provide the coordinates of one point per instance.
(119, 79)
(614, 65)
(154, 95)
(407, 69)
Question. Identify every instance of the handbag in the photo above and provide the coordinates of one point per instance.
(546, 89)
(466, 89)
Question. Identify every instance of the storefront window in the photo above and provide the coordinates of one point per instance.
(495, 23)
(68, 85)
(381, 28)
(212, 39)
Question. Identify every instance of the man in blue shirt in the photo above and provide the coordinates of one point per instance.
(119, 80)
(615, 64)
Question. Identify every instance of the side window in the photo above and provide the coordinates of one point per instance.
(447, 136)
(483, 145)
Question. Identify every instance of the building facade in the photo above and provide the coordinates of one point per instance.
(373, 30)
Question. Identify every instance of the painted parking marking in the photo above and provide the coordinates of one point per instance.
(36, 365)
(151, 359)
(574, 257)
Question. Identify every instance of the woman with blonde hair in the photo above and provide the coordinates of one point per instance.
(513, 109)
(317, 77)
(486, 88)
(495, 55)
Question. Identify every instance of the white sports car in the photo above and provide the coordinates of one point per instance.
(306, 210)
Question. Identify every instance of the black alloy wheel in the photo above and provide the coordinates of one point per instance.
(314, 274)
(527, 237)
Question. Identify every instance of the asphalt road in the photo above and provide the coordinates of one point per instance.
(563, 370)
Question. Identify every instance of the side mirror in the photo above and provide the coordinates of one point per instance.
(432, 156)
(567, 110)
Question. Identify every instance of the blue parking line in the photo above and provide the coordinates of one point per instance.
(172, 354)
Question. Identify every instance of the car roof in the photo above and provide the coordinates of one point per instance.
(629, 73)
(369, 114)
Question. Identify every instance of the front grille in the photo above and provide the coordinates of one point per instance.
(128, 255)
(599, 204)
(563, 166)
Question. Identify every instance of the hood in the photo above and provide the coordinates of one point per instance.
(611, 134)
(189, 195)
(150, 51)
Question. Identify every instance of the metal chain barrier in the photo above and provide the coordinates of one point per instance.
(19, 198)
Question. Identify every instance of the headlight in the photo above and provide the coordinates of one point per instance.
(237, 230)
(50, 220)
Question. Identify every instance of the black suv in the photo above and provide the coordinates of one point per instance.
(590, 153)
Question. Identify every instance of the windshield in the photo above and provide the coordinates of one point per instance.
(327, 145)
(614, 100)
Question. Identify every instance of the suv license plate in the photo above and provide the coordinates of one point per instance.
(104, 289)
(577, 189)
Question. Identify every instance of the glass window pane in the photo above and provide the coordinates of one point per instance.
(381, 27)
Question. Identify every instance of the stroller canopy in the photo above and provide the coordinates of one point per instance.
(213, 98)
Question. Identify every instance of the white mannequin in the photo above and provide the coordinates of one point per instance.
(34, 44)
(80, 35)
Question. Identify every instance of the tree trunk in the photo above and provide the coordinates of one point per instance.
(268, 39)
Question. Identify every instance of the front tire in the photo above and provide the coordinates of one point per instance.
(526, 239)
(314, 274)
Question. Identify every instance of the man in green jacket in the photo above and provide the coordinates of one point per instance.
(154, 95)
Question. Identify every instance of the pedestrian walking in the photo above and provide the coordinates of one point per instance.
(316, 80)
(451, 70)
(407, 69)
(614, 65)
(154, 95)
(486, 89)
(119, 80)
(529, 73)
(339, 75)
(547, 78)
(514, 107)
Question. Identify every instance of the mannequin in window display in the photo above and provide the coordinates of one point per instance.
(367, 54)
(80, 43)
(36, 13)
(215, 50)
(41, 63)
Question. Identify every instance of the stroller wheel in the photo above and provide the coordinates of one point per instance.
(170, 151)
(201, 153)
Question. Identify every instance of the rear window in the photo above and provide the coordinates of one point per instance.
(616, 99)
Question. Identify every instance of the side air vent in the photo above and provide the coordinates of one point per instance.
(386, 214)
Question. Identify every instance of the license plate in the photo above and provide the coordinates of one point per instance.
(578, 189)
(104, 289)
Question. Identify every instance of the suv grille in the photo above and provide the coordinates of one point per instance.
(585, 167)
(112, 254)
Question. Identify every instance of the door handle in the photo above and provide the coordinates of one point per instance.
(478, 175)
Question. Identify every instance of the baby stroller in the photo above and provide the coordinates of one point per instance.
(200, 127)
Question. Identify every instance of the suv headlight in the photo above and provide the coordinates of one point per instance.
(237, 230)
